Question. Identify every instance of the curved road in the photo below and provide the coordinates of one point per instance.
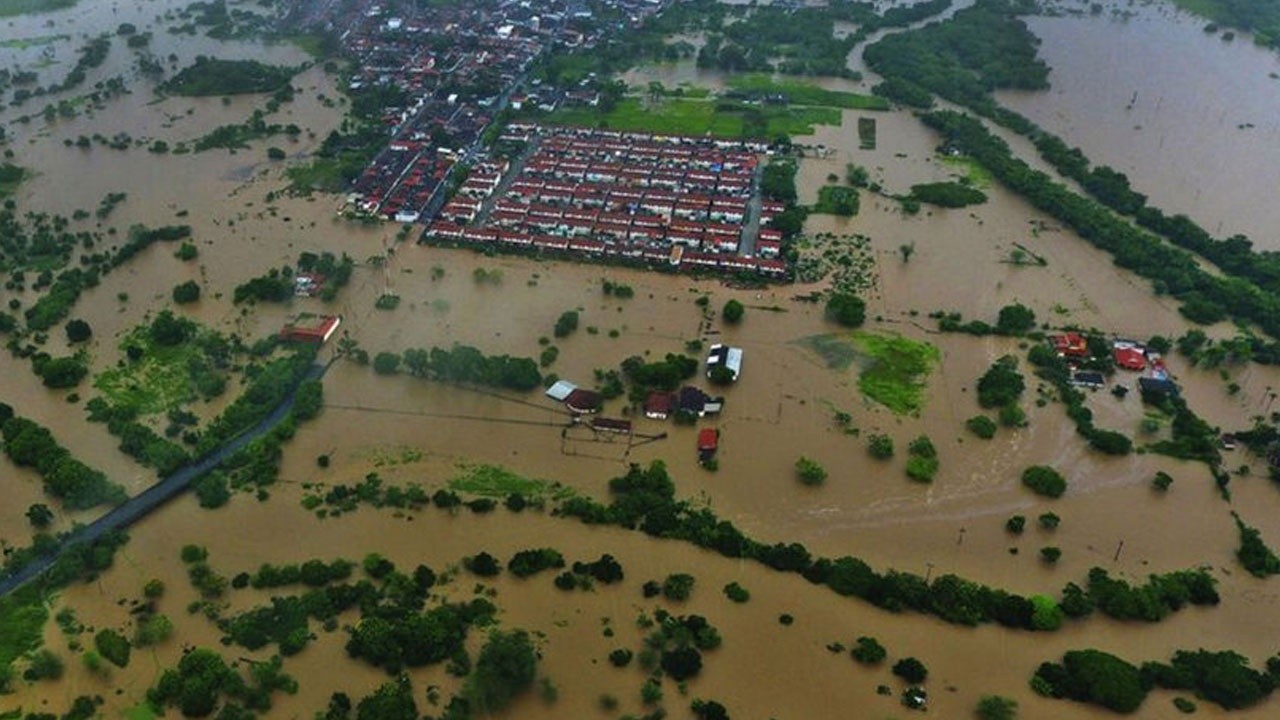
(137, 507)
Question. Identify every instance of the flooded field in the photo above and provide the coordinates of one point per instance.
(1184, 113)
(412, 431)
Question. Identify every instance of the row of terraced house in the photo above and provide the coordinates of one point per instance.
(680, 200)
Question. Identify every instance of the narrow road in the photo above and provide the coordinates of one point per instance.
(138, 506)
(751, 223)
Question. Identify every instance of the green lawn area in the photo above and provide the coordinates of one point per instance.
(691, 116)
(800, 93)
(9, 8)
(495, 481)
(894, 370)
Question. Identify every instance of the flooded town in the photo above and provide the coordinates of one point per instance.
(399, 359)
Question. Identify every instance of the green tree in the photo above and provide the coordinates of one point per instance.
(911, 670)
(391, 701)
(113, 646)
(78, 331)
(868, 651)
(810, 472)
(187, 292)
(732, 312)
(846, 309)
(1016, 319)
(996, 707)
(1044, 480)
(981, 426)
(40, 516)
(566, 323)
(880, 446)
(505, 668)
(678, 586)
(1001, 385)
(386, 363)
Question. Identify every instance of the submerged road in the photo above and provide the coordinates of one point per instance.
(138, 506)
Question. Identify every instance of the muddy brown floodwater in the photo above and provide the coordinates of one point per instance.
(1185, 114)
(409, 430)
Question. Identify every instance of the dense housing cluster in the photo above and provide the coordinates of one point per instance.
(671, 200)
(444, 72)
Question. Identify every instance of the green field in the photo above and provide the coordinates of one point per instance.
(9, 8)
(687, 116)
(499, 482)
(799, 93)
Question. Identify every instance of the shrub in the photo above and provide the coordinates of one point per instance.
(620, 658)
(1050, 554)
(846, 309)
(810, 472)
(1162, 481)
(982, 426)
(995, 707)
(880, 446)
(482, 564)
(678, 587)
(868, 651)
(922, 465)
(386, 363)
(1044, 480)
(187, 292)
(566, 323)
(113, 646)
(1015, 524)
(1049, 521)
(736, 593)
(1012, 416)
(911, 670)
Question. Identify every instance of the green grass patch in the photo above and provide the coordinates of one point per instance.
(141, 711)
(838, 200)
(34, 41)
(22, 618)
(9, 8)
(801, 93)
(689, 116)
(976, 175)
(495, 481)
(894, 370)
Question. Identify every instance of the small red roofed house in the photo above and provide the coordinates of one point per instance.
(1070, 345)
(1130, 358)
(318, 333)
